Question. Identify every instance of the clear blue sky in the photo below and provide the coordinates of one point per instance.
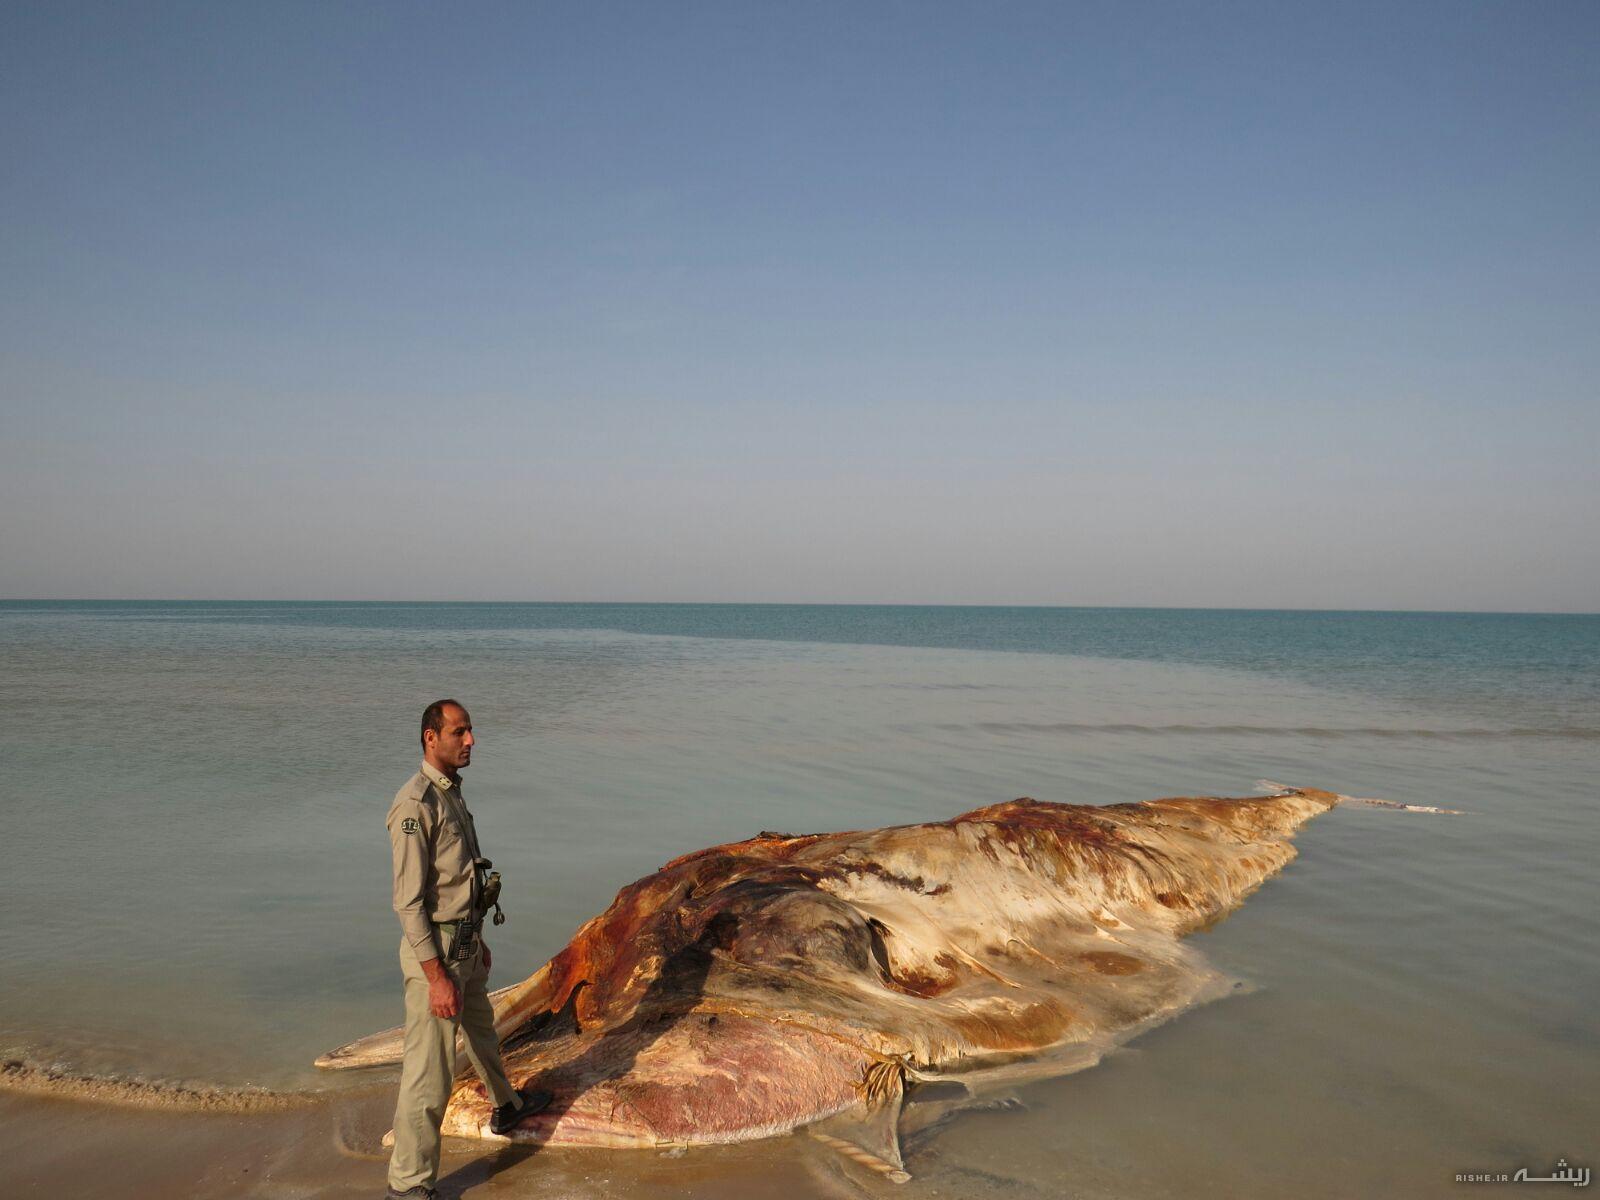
(1188, 304)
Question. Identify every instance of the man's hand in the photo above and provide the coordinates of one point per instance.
(488, 959)
(443, 998)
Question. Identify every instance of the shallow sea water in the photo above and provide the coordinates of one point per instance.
(196, 883)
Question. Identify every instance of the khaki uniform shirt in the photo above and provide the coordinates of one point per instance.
(432, 859)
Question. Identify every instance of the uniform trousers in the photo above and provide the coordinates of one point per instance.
(428, 1070)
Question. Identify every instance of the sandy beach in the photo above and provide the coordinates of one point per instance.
(329, 1151)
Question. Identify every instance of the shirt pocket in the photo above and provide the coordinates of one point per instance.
(447, 842)
(452, 855)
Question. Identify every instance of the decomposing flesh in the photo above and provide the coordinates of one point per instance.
(785, 981)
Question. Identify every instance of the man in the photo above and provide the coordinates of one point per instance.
(438, 893)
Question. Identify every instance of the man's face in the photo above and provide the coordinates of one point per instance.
(451, 748)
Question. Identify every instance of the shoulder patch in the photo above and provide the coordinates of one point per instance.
(410, 825)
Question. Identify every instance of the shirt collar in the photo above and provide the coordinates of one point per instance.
(439, 779)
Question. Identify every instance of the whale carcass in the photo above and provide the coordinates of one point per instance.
(785, 981)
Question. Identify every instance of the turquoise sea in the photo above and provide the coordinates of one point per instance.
(196, 872)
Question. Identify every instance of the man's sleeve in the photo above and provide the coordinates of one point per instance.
(409, 835)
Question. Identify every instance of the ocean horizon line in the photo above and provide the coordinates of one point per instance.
(917, 604)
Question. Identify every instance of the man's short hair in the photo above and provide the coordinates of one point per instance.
(433, 717)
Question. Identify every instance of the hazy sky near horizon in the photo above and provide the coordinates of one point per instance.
(1158, 304)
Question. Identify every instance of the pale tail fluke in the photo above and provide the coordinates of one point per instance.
(1279, 789)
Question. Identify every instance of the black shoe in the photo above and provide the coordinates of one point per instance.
(413, 1193)
(508, 1116)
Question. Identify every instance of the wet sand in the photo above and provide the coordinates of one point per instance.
(1215, 1104)
(330, 1151)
